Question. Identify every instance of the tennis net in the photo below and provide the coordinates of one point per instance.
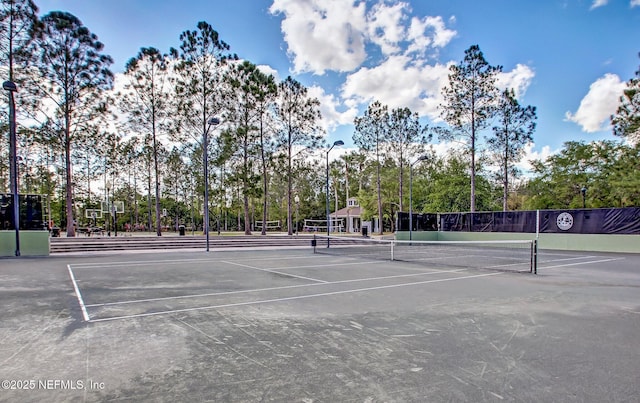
(503, 255)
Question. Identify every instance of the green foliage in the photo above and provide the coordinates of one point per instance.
(512, 133)
(609, 171)
(19, 25)
(73, 74)
(626, 121)
(470, 104)
(259, 154)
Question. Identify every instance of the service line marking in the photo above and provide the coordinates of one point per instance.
(283, 299)
(579, 263)
(273, 271)
(285, 287)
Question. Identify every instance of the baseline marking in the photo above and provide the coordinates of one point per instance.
(85, 314)
(266, 301)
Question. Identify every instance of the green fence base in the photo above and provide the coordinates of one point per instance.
(32, 243)
(576, 242)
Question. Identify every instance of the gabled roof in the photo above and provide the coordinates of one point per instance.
(352, 212)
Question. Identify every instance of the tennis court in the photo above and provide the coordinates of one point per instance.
(291, 325)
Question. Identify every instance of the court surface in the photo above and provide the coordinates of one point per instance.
(288, 325)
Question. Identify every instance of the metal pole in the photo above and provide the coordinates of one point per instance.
(421, 158)
(205, 157)
(297, 200)
(11, 88)
(327, 204)
(410, 201)
(335, 143)
(205, 208)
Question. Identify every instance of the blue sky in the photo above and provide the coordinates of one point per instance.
(569, 58)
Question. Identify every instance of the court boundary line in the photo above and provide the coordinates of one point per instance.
(85, 314)
(273, 272)
(171, 262)
(282, 299)
(579, 263)
(285, 287)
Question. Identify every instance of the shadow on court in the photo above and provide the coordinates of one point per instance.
(288, 325)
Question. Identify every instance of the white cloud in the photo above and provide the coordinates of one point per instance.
(530, 154)
(268, 70)
(330, 109)
(517, 79)
(398, 82)
(323, 35)
(421, 28)
(384, 26)
(333, 35)
(598, 3)
(599, 104)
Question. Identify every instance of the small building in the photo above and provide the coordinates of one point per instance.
(350, 215)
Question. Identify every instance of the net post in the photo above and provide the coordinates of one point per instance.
(313, 243)
(535, 256)
(392, 244)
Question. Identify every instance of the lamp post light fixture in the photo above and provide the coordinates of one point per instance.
(297, 201)
(421, 158)
(205, 159)
(335, 143)
(11, 87)
(584, 196)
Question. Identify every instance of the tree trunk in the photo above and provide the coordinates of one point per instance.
(157, 183)
(265, 183)
(71, 231)
(378, 185)
(289, 187)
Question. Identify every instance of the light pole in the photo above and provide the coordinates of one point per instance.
(109, 208)
(11, 87)
(420, 158)
(205, 158)
(297, 200)
(584, 196)
(335, 143)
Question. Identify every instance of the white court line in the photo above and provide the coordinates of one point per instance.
(275, 300)
(285, 287)
(565, 259)
(182, 261)
(579, 263)
(274, 272)
(85, 314)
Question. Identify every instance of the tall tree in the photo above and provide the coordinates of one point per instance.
(407, 138)
(18, 25)
(514, 131)
(297, 114)
(626, 121)
(250, 94)
(146, 103)
(199, 70)
(469, 104)
(264, 89)
(242, 115)
(73, 77)
(371, 131)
